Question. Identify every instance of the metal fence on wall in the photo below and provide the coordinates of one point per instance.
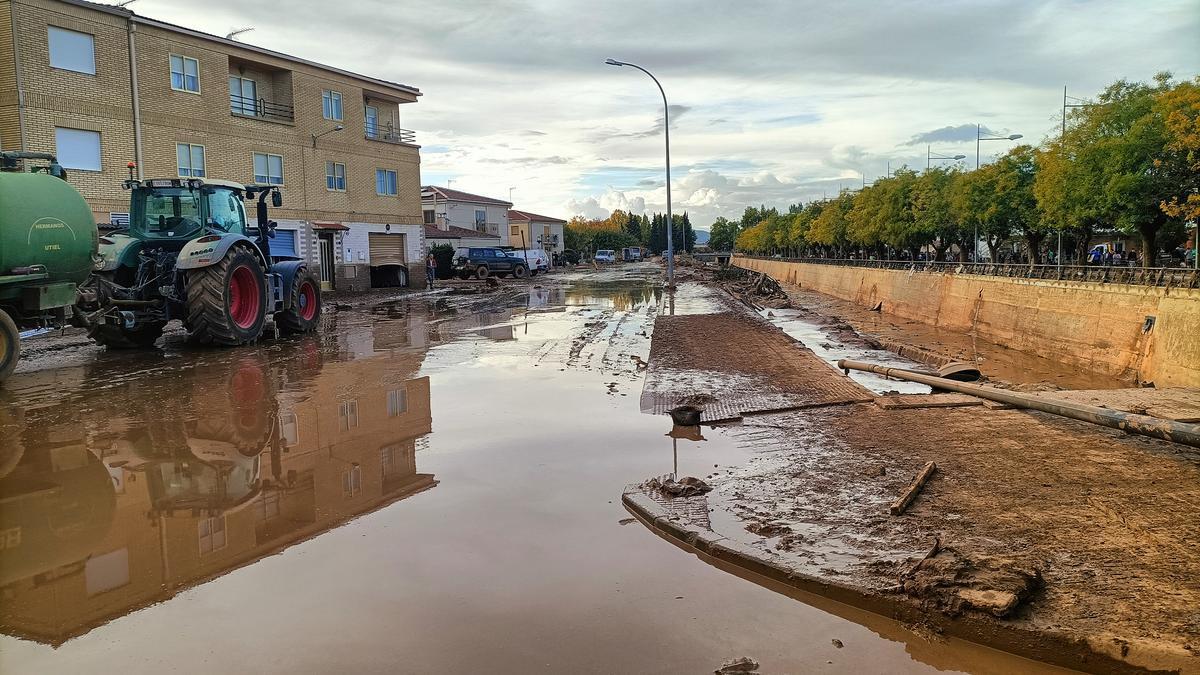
(1173, 277)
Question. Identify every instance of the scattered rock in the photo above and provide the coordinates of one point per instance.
(838, 643)
(744, 664)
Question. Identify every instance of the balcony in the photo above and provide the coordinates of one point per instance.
(389, 134)
(258, 107)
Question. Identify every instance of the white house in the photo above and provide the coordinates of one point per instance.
(445, 208)
(529, 230)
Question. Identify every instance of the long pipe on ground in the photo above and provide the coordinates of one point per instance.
(1168, 430)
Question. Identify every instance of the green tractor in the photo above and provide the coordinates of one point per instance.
(190, 254)
(48, 239)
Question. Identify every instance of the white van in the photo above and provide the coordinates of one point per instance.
(606, 255)
(537, 259)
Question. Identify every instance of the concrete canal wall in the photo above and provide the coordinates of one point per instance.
(1098, 327)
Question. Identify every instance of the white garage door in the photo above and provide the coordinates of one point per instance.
(386, 249)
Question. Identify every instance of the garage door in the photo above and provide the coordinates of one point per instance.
(284, 244)
(386, 249)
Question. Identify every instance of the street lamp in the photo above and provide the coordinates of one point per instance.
(929, 157)
(323, 133)
(667, 137)
(980, 137)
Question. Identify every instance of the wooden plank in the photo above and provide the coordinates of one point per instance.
(910, 494)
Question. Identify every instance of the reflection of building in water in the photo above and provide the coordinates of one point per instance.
(217, 478)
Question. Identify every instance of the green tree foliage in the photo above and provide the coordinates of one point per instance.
(723, 234)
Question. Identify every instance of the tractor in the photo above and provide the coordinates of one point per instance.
(189, 254)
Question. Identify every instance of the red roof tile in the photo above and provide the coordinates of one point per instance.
(532, 217)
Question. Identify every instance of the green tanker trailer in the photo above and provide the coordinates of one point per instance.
(48, 246)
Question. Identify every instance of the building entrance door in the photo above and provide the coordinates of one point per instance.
(325, 242)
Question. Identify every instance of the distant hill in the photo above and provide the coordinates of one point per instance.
(701, 236)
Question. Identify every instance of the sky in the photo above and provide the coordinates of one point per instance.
(771, 103)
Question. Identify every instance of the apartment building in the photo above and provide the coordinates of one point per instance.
(102, 87)
(530, 230)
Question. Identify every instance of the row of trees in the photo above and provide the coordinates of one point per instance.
(1129, 163)
(622, 229)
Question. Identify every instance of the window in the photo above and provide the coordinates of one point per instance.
(211, 532)
(77, 148)
(225, 209)
(335, 176)
(348, 415)
(266, 506)
(481, 220)
(545, 233)
(185, 74)
(243, 96)
(71, 50)
(352, 481)
(515, 230)
(289, 428)
(430, 217)
(331, 105)
(268, 169)
(372, 121)
(385, 182)
(190, 159)
(397, 402)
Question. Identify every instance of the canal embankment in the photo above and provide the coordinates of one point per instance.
(1138, 333)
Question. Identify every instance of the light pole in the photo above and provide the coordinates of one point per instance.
(667, 136)
(929, 157)
(980, 137)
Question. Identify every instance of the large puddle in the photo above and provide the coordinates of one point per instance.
(431, 484)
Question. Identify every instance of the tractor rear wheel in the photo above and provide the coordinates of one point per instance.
(304, 310)
(10, 345)
(227, 302)
(112, 336)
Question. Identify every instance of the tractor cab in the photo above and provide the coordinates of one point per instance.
(182, 209)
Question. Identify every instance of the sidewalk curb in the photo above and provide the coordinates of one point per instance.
(1053, 648)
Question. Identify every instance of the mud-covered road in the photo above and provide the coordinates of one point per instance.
(429, 485)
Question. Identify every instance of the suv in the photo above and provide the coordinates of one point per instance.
(535, 258)
(606, 255)
(480, 262)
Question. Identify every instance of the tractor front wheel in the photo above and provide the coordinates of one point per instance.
(10, 345)
(112, 336)
(227, 302)
(304, 309)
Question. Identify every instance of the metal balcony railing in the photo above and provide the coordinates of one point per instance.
(257, 107)
(389, 134)
(1174, 277)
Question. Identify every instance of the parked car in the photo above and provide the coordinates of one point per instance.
(536, 258)
(481, 262)
(606, 255)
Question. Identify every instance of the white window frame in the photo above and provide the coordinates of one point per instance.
(393, 185)
(242, 107)
(397, 402)
(66, 158)
(268, 156)
(331, 172)
(329, 98)
(69, 62)
(348, 415)
(352, 481)
(191, 147)
(209, 542)
(183, 73)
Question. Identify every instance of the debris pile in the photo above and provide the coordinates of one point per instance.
(742, 665)
(757, 290)
(952, 581)
(671, 488)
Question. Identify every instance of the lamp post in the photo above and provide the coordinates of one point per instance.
(323, 133)
(667, 137)
(978, 138)
(929, 157)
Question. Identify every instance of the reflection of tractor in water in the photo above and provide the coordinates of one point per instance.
(202, 453)
(189, 254)
(47, 240)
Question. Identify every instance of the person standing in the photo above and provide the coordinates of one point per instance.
(430, 270)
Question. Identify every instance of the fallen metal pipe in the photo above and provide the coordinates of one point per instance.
(1168, 430)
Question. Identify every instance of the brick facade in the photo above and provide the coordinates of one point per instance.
(35, 98)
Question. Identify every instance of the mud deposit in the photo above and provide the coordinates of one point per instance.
(431, 484)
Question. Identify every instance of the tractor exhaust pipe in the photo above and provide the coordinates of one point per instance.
(1167, 430)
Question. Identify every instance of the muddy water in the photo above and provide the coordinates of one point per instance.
(432, 484)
